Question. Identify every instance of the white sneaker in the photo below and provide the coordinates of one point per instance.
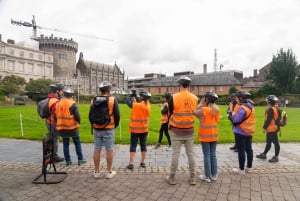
(169, 148)
(248, 170)
(204, 178)
(213, 178)
(238, 171)
(111, 174)
(96, 175)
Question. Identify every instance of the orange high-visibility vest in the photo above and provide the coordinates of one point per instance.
(184, 104)
(65, 120)
(208, 127)
(272, 127)
(51, 119)
(164, 117)
(248, 126)
(111, 125)
(139, 117)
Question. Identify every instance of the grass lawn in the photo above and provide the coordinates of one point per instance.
(13, 118)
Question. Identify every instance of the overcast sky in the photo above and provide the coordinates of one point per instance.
(165, 36)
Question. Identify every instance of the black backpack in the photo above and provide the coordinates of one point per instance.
(99, 113)
(43, 108)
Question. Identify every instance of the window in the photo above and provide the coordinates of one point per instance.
(21, 67)
(40, 57)
(12, 51)
(21, 53)
(39, 70)
(62, 56)
(30, 68)
(48, 70)
(1, 64)
(49, 59)
(221, 88)
(11, 65)
(31, 55)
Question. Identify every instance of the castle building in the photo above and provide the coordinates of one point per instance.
(25, 60)
(90, 74)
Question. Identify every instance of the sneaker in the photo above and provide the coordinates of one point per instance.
(261, 156)
(143, 165)
(68, 163)
(96, 175)
(157, 146)
(170, 180)
(130, 167)
(192, 181)
(274, 159)
(82, 161)
(111, 174)
(248, 170)
(57, 159)
(204, 178)
(169, 148)
(238, 171)
(213, 178)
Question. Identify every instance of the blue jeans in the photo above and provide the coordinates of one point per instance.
(66, 143)
(104, 138)
(210, 158)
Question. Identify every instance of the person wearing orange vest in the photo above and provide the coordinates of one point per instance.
(54, 96)
(209, 114)
(232, 107)
(67, 123)
(164, 123)
(243, 127)
(182, 106)
(104, 135)
(271, 128)
(138, 125)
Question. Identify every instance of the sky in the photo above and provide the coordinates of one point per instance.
(164, 36)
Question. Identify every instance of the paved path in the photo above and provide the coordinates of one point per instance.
(20, 163)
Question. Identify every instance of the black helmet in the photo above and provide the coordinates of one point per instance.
(55, 87)
(105, 86)
(184, 80)
(145, 95)
(272, 99)
(242, 94)
(68, 90)
(168, 95)
(211, 96)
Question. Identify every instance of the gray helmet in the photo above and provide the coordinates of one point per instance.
(242, 94)
(55, 87)
(168, 95)
(145, 95)
(68, 90)
(272, 99)
(184, 80)
(211, 96)
(105, 86)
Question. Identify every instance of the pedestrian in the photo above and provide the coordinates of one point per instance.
(54, 96)
(182, 106)
(104, 134)
(244, 127)
(232, 107)
(67, 123)
(209, 114)
(271, 128)
(138, 125)
(164, 109)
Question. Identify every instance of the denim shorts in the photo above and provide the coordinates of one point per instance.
(104, 138)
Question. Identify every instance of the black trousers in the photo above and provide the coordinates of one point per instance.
(244, 146)
(272, 138)
(164, 129)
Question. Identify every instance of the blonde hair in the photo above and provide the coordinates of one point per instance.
(214, 108)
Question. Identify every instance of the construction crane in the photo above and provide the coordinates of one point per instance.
(35, 27)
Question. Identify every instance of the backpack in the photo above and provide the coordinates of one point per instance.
(99, 113)
(281, 121)
(43, 109)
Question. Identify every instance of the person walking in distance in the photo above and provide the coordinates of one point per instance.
(209, 114)
(138, 125)
(54, 96)
(244, 127)
(182, 106)
(271, 128)
(104, 132)
(67, 123)
(164, 109)
(232, 107)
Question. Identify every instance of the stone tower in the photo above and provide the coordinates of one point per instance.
(64, 55)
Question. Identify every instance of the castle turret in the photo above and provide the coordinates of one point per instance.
(64, 54)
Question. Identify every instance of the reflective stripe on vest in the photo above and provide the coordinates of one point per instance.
(184, 104)
(208, 128)
(139, 118)
(248, 126)
(65, 121)
(111, 125)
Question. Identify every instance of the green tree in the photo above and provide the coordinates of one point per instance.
(283, 70)
(38, 89)
(232, 90)
(12, 85)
